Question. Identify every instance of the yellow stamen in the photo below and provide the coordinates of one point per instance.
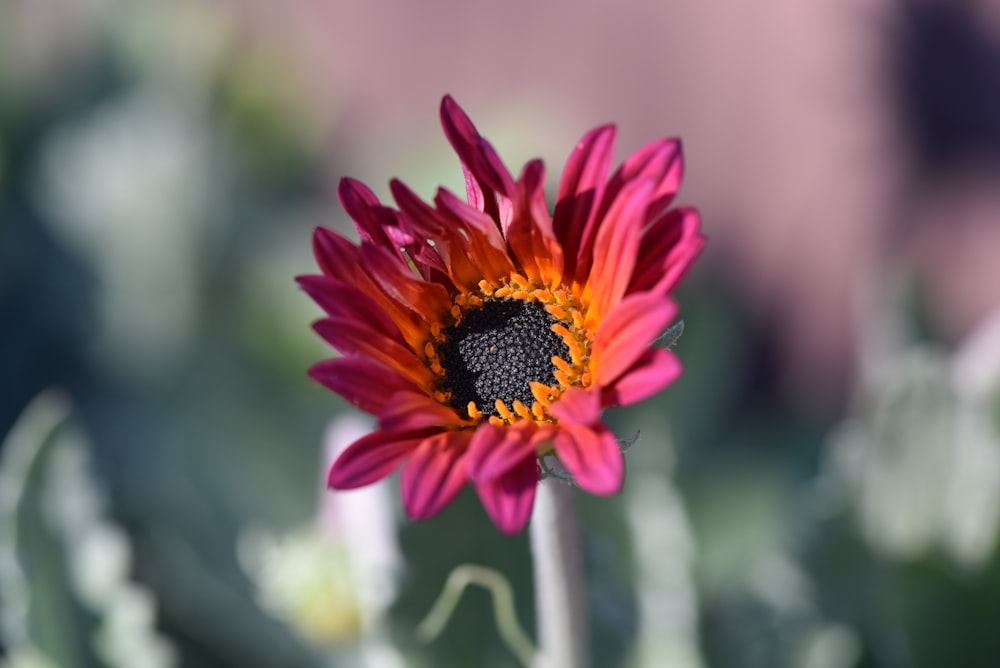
(538, 411)
(521, 410)
(504, 291)
(563, 365)
(503, 410)
(561, 377)
(473, 411)
(495, 421)
(541, 393)
(556, 311)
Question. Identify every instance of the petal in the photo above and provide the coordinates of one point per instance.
(487, 247)
(508, 500)
(626, 333)
(362, 382)
(356, 337)
(371, 458)
(370, 218)
(495, 450)
(617, 248)
(592, 455)
(661, 161)
(413, 410)
(668, 248)
(343, 300)
(402, 285)
(577, 406)
(652, 372)
(487, 171)
(580, 191)
(434, 474)
(530, 235)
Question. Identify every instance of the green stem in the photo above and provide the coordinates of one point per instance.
(560, 592)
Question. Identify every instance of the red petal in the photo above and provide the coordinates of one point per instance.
(580, 191)
(593, 457)
(412, 410)
(371, 458)
(617, 247)
(479, 158)
(343, 300)
(656, 369)
(434, 474)
(370, 218)
(661, 161)
(530, 235)
(354, 336)
(626, 333)
(361, 381)
(577, 406)
(495, 450)
(508, 499)
(668, 248)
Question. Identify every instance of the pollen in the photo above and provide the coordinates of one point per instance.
(509, 350)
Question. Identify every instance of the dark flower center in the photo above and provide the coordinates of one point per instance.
(496, 351)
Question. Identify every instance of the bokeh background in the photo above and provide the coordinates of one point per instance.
(821, 489)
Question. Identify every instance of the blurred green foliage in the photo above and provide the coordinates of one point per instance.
(199, 424)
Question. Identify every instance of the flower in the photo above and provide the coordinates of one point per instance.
(486, 334)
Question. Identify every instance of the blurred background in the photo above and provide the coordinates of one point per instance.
(821, 489)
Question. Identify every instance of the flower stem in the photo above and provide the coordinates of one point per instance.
(560, 592)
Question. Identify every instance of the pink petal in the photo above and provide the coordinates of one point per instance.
(580, 191)
(345, 301)
(337, 257)
(479, 158)
(617, 247)
(508, 500)
(530, 235)
(354, 336)
(627, 332)
(668, 248)
(398, 282)
(407, 411)
(661, 161)
(361, 381)
(369, 216)
(577, 406)
(652, 372)
(434, 474)
(371, 458)
(592, 455)
(495, 450)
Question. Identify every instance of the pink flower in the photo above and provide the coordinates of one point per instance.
(484, 334)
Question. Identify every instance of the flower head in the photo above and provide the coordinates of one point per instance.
(484, 334)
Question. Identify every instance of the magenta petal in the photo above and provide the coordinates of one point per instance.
(434, 474)
(414, 410)
(669, 246)
(652, 372)
(360, 381)
(371, 219)
(508, 500)
(662, 162)
(371, 458)
(593, 457)
(580, 192)
(617, 247)
(354, 336)
(492, 454)
(627, 332)
(577, 406)
(479, 158)
(337, 257)
(343, 300)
